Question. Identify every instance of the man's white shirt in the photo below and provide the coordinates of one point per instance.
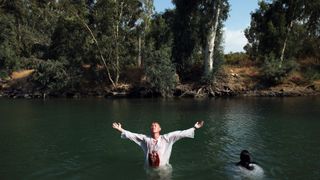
(162, 145)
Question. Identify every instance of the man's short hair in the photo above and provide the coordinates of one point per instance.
(156, 122)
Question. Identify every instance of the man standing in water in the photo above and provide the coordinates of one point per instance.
(157, 148)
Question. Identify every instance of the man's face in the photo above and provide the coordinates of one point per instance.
(155, 128)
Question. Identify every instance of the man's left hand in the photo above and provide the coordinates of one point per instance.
(199, 124)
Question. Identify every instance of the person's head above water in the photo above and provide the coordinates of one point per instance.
(155, 128)
(245, 156)
(245, 160)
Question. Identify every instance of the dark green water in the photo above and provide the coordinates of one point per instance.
(73, 139)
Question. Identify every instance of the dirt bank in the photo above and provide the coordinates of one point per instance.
(230, 81)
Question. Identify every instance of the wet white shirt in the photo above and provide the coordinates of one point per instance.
(162, 145)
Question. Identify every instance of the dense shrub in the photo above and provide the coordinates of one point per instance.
(50, 75)
(160, 71)
(313, 73)
(274, 72)
(310, 67)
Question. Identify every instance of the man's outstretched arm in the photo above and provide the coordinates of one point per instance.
(137, 138)
(188, 133)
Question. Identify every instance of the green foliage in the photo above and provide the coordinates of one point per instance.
(160, 71)
(85, 40)
(50, 76)
(273, 72)
(237, 58)
(9, 57)
(292, 26)
(184, 29)
(68, 39)
(313, 73)
(3, 74)
(117, 29)
(311, 68)
(71, 46)
(191, 26)
(288, 30)
(160, 32)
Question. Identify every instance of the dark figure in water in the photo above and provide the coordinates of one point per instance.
(245, 160)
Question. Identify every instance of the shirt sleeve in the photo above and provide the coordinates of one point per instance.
(137, 138)
(177, 135)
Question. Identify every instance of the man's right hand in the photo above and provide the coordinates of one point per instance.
(117, 126)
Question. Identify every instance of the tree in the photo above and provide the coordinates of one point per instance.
(27, 26)
(198, 28)
(160, 71)
(51, 76)
(99, 30)
(184, 35)
(160, 34)
(215, 15)
(8, 55)
(275, 25)
(115, 23)
(280, 32)
(158, 66)
(70, 42)
(144, 27)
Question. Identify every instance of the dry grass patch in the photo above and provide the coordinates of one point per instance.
(249, 71)
(21, 74)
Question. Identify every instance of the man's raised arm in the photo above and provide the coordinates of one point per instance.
(137, 138)
(188, 133)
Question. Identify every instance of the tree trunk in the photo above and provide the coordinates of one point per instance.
(285, 43)
(147, 15)
(209, 51)
(97, 44)
(117, 65)
(139, 51)
(292, 17)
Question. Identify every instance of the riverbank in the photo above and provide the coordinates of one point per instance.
(230, 81)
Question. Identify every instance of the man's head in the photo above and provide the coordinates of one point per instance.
(245, 156)
(155, 127)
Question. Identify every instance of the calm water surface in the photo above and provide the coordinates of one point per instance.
(73, 139)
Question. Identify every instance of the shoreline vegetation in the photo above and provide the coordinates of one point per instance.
(120, 48)
(230, 81)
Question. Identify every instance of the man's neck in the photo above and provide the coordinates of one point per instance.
(155, 135)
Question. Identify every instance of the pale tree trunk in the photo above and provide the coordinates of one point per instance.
(148, 6)
(99, 49)
(210, 44)
(139, 51)
(117, 64)
(285, 44)
(287, 34)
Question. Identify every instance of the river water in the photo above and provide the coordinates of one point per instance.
(73, 139)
